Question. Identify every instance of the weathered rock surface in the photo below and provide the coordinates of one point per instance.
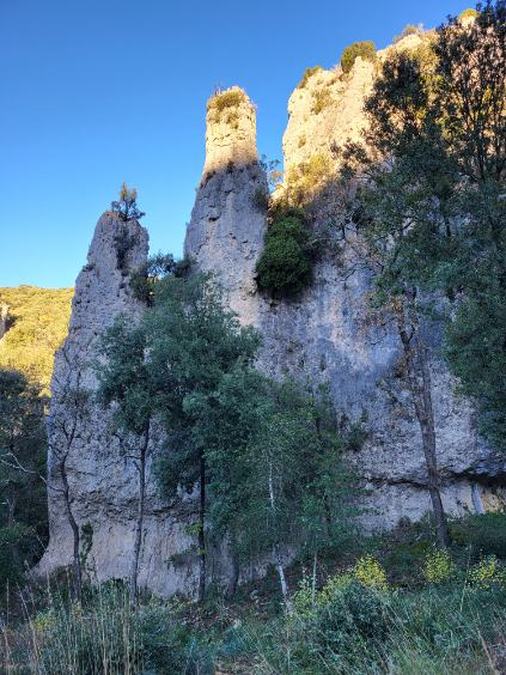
(324, 336)
(325, 110)
(102, 477)
(227, 226)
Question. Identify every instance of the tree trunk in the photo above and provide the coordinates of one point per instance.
(140, 519)
(418, 376)
(76, 564)
(202, 540)
(276, 553)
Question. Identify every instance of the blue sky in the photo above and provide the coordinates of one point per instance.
(95, 92)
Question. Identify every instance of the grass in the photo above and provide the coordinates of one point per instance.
(358, 621)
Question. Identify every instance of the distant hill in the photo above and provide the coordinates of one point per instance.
(33, 324)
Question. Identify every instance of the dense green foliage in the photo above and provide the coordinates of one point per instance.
(23, 510)
(189, 364)
(144, 280)
(285, 264)
(435, 214)
(366, 50)
(39, 321)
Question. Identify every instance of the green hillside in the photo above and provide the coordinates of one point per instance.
(37, 324)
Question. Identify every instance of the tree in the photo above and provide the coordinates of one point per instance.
(68, 430)
(296, 489)
(126, 207)
(404, 195)
(431, 210)
(192, 343)
(126, 381)
(23, 509)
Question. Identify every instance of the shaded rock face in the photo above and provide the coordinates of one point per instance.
(326, 335)
(227, 225)
(102, 477)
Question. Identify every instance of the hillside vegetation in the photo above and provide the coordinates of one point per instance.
(37, 324)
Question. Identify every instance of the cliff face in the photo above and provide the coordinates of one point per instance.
(325, 336)
(227, 226)
(102, 477)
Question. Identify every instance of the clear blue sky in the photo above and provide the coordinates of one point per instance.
(94, 92)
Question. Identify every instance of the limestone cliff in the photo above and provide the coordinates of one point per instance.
(324, 336)
(227, 226)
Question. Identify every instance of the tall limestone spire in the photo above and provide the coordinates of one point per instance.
(226, 230)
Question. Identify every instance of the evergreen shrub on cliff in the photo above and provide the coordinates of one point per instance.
(366, 50)
(285, 265)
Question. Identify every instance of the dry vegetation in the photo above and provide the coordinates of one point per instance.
(38, 324)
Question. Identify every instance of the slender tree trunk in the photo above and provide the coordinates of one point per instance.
(76, 564)
(134, 574)
(418, 376)
(234, 576)
(202, 539)
(276, 553)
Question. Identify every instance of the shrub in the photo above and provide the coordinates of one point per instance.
(369, 572)
(438, 567)
(366, 50)
(304, 180)
(351, 617)
(485, 573)
(285, 265)
(321, 99)
(308, 74)
(485, 533)
(126, 207)
(410, 29)
(228, 101)
(143, 281)
(468, 13)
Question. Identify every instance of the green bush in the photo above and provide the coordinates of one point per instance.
(285, 265)
(438, 567)
(366, 50)
(485, 533)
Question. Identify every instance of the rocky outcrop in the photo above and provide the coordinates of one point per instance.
(325, 336)
(325, 111)
(101, 476)
(226, 230)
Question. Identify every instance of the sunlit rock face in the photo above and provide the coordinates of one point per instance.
(326, 110)
(227, 225)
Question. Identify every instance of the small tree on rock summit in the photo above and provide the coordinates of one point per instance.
(126, 206)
